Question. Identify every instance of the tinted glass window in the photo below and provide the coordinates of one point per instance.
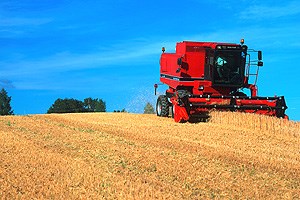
(229, 67)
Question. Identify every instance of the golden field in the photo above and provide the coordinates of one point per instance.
(138, 156)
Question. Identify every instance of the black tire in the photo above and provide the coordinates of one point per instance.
(162, 106)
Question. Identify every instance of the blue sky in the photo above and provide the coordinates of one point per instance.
(110, 49)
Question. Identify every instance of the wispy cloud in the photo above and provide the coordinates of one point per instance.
(270, 11)
(18, 21)
(134, 52)
(64, 67)
(66, 61)
(4, 83)
(35, 72)
(31, 5)
(18, 26)
(71, 70)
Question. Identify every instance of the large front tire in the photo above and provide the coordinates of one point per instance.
(162, 106)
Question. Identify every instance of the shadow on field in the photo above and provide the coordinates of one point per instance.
(203, 117)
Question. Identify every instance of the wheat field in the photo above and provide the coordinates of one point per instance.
(138, 156)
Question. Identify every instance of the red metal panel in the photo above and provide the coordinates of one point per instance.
(195, 62)
(169, 64)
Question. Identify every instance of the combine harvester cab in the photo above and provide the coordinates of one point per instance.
(203, 76)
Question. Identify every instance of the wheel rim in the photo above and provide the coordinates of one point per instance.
(158, 109)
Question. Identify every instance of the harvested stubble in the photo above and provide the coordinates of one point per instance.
(131, 156)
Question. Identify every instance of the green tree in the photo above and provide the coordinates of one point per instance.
(123, 110)
(66, 106)
(148, 109)
(5, 108)
(94, 105)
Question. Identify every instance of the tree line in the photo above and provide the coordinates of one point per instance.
(76, 106)
(67, 105)
(5, 108)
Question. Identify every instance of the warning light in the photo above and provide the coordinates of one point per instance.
(242, 41)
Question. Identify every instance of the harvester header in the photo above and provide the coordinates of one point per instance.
(211, 75)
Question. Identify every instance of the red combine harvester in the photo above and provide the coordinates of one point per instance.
(208, 75)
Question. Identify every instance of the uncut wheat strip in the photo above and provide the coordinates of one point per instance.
(257, 122)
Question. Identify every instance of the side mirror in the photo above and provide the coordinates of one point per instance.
(179, 61)
(259, 55)
(155, 88)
